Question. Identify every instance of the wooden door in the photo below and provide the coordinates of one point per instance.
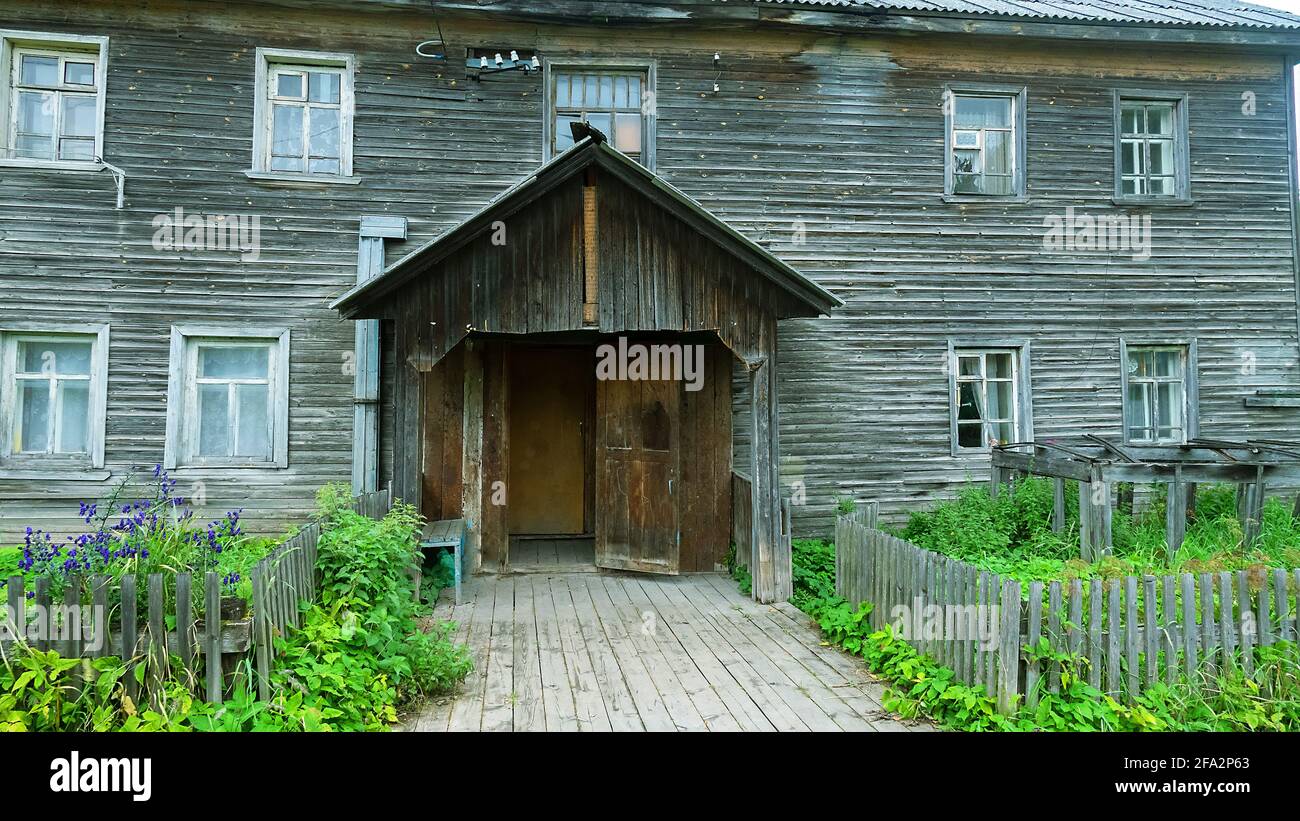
(638, 436)
(550, 395)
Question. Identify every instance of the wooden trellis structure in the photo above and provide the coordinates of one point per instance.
(1097, 464)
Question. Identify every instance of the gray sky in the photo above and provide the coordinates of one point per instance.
(1292, 6)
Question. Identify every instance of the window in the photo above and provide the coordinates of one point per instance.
(613, 100)
(52, 98)
(989, 397)
(53, 397)
(304, 115)
(1159, 391)
(1150, 148)
(985, 142)
(228, 399)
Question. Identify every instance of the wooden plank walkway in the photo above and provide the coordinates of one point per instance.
(607, 651)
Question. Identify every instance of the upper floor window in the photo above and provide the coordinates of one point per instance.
(616, 101)
(985, 142)
(52, 98)
(1151, 160)
(1159, 391)
(304, 114)
(989, 397)
(53, 398)
(228, 403)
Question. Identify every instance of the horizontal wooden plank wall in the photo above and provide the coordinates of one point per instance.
(825, 148)
(1133, 632)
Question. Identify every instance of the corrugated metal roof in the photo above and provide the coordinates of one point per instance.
(1216, 13)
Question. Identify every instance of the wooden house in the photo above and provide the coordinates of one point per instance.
(270, 244)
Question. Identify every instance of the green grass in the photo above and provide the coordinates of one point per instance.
(1012, 536)
(9, 557)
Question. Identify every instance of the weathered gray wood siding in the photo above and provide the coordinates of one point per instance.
(841, 136)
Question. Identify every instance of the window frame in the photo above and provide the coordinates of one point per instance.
(1019, 176)
(271, 61)
(1191, 387)
(13, 462)
(1022, 400)
(180, 446)
(1182, 147)
(12, 44)
(596, 64)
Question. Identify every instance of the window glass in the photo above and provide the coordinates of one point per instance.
(1147, 149)
(983, 138)
(986, 411)
(51, 383)
(55, 108)
(308, 124)
(1156, 394)
(609, 101)
(232, 385)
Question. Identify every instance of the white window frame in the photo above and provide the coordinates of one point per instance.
(182, 391)
(1019, 97)
(13, 43)
(270, 62)
(649, 68)
(1021, 391)
(12, 462)
(1190, 382)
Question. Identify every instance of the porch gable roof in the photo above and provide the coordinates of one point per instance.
(591, 150)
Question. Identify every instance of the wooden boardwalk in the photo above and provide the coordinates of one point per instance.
(600, 651)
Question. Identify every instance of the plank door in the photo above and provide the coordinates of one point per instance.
(638, 452)
(550, 395)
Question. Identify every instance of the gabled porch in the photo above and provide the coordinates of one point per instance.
(564, 364)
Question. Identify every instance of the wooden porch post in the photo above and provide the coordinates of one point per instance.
(771, 561)
(472, 464)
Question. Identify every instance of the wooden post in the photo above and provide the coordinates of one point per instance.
(1058, 505)
(212, 638)
(158, 655)
(472, 464)
(262, 633)
(1009, 648)
(590, 250)
(130, 620)
(1176, 513)
(771, 562)
(1035, 628)
(17, 609)
(185, 622)
(99, 602)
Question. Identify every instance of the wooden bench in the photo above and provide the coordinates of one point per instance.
(449, 533)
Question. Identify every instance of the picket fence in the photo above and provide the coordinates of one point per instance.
(280, 580)
(1132, 632)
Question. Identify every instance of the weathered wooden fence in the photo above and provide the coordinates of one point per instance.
(1131, 631)
(143, 636)
(288, 575)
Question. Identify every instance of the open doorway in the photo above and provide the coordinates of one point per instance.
(552, 475)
